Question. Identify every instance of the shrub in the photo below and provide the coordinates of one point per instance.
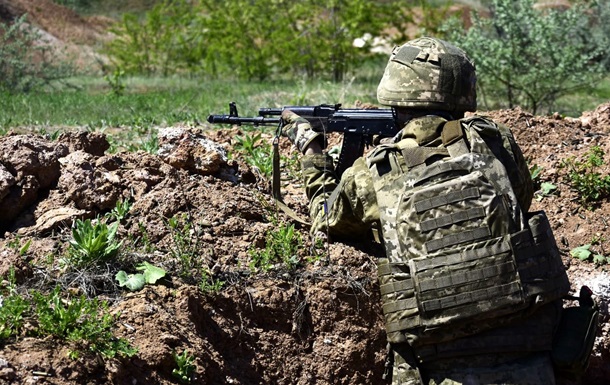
(80, 320)
(530, 57)
(282, 245)
(25, 62)
(13, 308)
(584, 176)
(313, 37)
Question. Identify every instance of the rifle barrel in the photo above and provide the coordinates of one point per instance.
(238, 120)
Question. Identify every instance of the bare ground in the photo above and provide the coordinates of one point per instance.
(317, 324)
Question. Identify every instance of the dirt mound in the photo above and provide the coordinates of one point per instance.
(319, 323)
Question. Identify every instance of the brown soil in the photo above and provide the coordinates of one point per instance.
(320, 323)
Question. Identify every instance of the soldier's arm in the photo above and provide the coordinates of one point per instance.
(352, 209)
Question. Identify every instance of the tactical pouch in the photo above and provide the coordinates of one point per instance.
(574, 340)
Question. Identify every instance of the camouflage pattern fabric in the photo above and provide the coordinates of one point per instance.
(533, 369)
(429, 73)
(355, 211)
(298, 130)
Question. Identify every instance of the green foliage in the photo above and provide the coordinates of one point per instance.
(312, 37)
(80, 320)
(16, 245)
(530, 57)
(256, 152)
(185, 363)
(185, 242)
(584, 176)
(585, 253)
(92, 242)
(120, 210)
(546, 189)
(282, 244)
(208, 284)
(134, 282)
(116, 81)
(25, 64)
(535, 173)
(162, 42)
(77, 4)
(581, 252)
(13, 308)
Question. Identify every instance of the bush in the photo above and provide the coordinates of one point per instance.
(530, 57)
(25, 62)
(253, 40)
(586, 178)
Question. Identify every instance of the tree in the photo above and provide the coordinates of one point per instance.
(253, 39)
(530, 57)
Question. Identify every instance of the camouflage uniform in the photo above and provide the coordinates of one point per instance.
(355, 212)
(425, 81)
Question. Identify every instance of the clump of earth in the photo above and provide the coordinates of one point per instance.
(316, 322)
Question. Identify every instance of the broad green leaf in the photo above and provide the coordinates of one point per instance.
(151, 273)
(547, 188)
(581, 252)
(133, 282)
(600, 259)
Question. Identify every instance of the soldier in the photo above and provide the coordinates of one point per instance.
(466, 298)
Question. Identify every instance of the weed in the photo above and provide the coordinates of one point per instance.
(144, 240)
(15, 244)
(92, 243)
(585, 178)
(151, 144)
(585, 253)
(120, 210)
(256, 152)
(150, 274)
(13, 308)
(80, 320)
(185, 366)
(185, 241)
(116, 81)
(282, 245)
(208, 284)
(535, 172)
(546, 189)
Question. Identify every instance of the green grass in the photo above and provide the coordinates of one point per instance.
(149, 102)
(164, 101)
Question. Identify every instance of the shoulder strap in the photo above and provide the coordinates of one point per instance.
(453, 138)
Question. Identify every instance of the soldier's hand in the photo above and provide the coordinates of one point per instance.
(299, 131)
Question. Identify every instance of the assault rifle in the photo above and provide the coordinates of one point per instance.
(358, 126)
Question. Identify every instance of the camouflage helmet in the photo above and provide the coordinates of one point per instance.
(429, 73)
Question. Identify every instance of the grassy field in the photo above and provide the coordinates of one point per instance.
(155, 101)
(166, 101)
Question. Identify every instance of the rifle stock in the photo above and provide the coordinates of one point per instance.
(358, 126)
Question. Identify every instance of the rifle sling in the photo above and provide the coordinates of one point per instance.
(276, 169)
(276, 186)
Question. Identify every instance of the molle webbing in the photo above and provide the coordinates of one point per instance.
(461, 257)
(419, 155)
(445, 199)
(457, 239)
(446, 220)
